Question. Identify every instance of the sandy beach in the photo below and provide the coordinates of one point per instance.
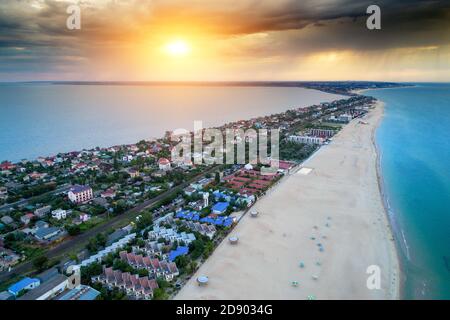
(321, 229)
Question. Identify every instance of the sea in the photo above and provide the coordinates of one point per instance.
(42, 119)
(414, 144)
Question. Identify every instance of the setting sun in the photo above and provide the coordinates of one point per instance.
(177, 48)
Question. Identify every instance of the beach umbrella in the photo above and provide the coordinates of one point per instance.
(294, 283)
(302, 265)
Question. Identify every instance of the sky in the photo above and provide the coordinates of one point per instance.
(224, 40)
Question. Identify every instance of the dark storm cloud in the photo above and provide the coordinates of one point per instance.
(294, 26)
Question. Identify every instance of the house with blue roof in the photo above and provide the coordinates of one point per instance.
(82, 293)
(220, 195)
(180, 251)
(24, 284)
(220, 207)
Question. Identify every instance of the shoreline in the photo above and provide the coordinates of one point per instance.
(223, 260)
(384, 200)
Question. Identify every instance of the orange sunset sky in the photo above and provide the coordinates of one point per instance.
(164, 40)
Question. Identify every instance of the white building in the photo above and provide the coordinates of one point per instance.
(164, 164)
(80, 194)
(59, 214)
(43, 211)
(306, 140)
(327, 133)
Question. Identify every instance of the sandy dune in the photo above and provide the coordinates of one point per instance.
(338, 203)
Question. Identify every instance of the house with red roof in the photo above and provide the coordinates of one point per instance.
(156, 267)
(139, 288)
(164, 164)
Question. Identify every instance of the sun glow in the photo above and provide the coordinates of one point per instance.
(177, 48)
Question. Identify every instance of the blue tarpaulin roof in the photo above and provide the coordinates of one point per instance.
(181, 251)
(220, 207)
(194, 216)
(22, 284)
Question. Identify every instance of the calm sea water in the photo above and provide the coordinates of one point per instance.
(414, 140)
(40, 120)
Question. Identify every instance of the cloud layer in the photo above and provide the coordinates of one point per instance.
(245, 39)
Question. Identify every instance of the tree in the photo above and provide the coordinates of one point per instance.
(40, 263)
(160, 294)
(217, 177)
(182, 261)
(73, 230)
(145, 220)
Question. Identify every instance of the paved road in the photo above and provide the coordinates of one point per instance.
(83, 238)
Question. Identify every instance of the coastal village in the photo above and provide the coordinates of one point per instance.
(131, 223)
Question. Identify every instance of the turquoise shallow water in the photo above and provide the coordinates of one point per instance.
(414, 142)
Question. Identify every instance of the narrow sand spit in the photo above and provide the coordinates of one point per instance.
(321, 228)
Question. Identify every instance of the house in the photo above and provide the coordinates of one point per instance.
(6, 165)
(170, 235)
(306, 140)
(164, 164)
(140, 288)
(7, 220)
(26, 219)
(202, 228)
(43, 211)
(155, 267)
(24, 284)
(59, 214)
(110, 193)
(84, 217)
(47, 233)
(220, 207)
(52, 283)
(80, 194)
(189, 191)
(133, 173)
(8, 258)
(202, 183)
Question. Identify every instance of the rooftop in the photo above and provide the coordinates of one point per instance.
(79, 188)
(22, 284)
